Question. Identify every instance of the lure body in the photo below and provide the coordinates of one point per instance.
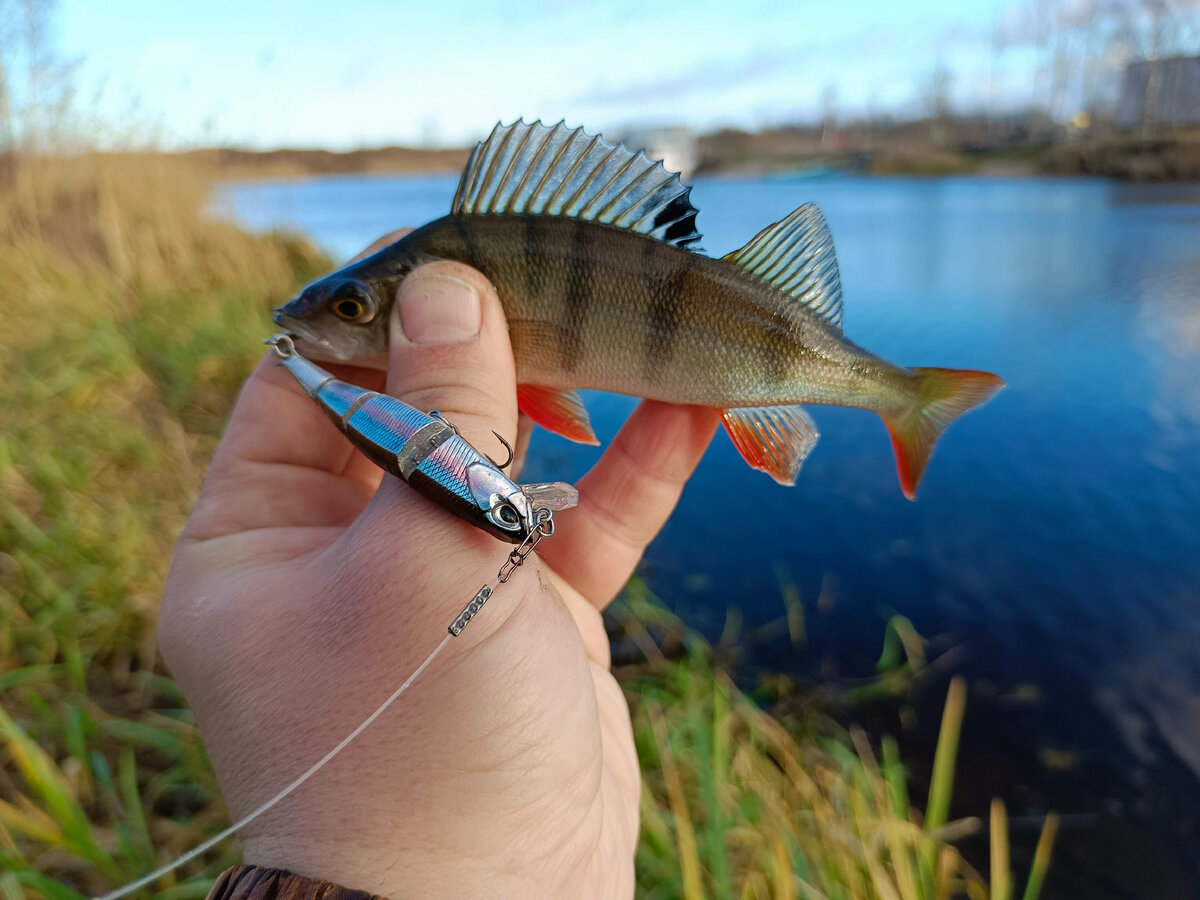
(588, 247)
(427, 452)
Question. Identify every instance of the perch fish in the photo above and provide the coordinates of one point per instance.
(590, 248)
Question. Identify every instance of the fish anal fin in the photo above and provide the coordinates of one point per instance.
(772, 439)
(557, 410)
(942, 396)
(796, 256)
(531, 169)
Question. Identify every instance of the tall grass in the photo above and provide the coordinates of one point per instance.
(739, 803)
(128, 321)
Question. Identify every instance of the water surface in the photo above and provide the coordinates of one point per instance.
(1056, 542)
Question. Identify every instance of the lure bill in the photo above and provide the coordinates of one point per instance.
(427, 452)
(590, 247)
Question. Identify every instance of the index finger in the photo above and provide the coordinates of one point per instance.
(626, 498)
(282, 462)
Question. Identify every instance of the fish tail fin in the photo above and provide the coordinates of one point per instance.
(942, 396)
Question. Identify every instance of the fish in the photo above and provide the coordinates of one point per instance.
(427, 451)
(592, 249)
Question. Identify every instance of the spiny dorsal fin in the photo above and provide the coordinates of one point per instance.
(538, 170)
(796, 255)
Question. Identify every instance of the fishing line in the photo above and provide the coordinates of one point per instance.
(530, 520)
(543, 528)
(250, 817)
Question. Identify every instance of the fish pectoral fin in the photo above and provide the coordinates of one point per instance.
(557, 410)
(796, 256)
(772, 439)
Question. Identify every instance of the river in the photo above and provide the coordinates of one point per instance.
(1055, 548)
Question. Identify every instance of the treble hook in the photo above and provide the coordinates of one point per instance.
(508, 447)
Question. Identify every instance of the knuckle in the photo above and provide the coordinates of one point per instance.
(470, 400)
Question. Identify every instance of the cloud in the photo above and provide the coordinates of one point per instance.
(698, 78)
(822, 60)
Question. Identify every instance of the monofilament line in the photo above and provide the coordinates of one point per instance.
(250, 817)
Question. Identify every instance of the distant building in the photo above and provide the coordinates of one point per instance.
(1160, 93)
(675, 145)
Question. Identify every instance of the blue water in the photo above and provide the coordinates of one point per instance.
(1056, 541)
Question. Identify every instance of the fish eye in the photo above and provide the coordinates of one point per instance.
(352, 302)
(349, 309)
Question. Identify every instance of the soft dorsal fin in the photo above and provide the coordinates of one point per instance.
(796, 255)
(539, 170)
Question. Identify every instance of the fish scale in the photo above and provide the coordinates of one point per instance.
(588, 246)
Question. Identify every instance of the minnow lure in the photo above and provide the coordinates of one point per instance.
(590, 247)
(428, 452)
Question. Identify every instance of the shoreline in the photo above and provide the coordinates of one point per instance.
(792, 154)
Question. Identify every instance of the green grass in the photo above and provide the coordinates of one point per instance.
(128, 323)
(740, 803)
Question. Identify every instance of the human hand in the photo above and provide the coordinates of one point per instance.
(305, 588)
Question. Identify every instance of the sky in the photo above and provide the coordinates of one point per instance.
(359, 74)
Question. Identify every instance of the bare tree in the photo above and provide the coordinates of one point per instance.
(829, 118)
(36, 84)
(1083, 48)
(935, 98)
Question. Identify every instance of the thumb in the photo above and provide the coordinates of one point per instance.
(449, 350)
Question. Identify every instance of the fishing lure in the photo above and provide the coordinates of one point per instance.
(429, 454)
(426, 451)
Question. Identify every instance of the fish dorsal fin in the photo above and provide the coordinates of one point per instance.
(540, 170)
(796, 255)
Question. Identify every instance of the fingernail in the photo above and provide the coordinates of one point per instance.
(438, 309)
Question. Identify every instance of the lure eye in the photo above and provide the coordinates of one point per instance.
(353, 302)
(507, 516)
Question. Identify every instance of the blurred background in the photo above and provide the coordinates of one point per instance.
(1012, 185)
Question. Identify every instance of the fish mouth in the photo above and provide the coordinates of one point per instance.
(308, 342)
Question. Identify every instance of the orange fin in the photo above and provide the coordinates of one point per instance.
(772, 439)
(559, 411)
(942, 396)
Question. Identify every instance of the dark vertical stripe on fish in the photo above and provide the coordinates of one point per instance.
(663, 314)
(779, 363)
(577, 300)
(470, 249)
(534, 248)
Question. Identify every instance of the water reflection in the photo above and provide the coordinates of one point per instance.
(1057, 538)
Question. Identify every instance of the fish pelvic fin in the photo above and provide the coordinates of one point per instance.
(772, 439)
(557, 410)
(942, 396)
(531, 169)
(796, 256)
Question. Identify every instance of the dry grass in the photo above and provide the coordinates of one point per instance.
(129, 320)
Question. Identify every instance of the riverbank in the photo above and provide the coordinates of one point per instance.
(922, 149)
(912, 149)
(131, 319)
